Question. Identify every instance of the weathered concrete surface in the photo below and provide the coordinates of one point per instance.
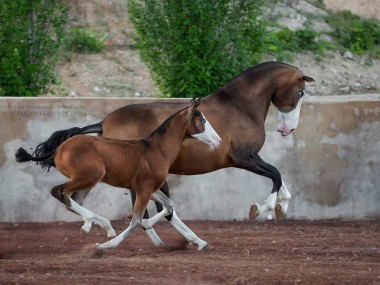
(330, 164)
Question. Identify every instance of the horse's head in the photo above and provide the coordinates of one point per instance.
(199, 128)
(288, 98)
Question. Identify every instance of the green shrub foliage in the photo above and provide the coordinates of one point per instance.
(194, 47)
(84, 40)
(355, 34)
(31, 32)
(288, 40)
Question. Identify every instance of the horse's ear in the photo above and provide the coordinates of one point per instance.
(307, 78)
(197, 103)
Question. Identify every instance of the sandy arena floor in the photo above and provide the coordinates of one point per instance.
(265, 252)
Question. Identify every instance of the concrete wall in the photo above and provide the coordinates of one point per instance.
(330, 164)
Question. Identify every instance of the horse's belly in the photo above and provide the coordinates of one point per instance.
(197, 158)
(121, 181)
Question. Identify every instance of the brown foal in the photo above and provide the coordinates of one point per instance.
(140, 165)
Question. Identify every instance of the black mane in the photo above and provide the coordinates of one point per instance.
(260, 66)
(163, 127)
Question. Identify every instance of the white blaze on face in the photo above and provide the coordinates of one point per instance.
(209, 136)
(289, 121)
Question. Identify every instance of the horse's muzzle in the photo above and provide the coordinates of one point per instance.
(282, 128)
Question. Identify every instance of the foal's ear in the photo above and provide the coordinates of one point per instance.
(194, 103)
(307, 78)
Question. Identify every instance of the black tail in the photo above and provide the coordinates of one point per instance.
(45, 151)
(22, 155)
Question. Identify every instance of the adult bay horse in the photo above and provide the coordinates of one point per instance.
(237, 111)
(140, 165)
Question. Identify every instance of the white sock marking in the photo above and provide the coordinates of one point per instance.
(89, 217)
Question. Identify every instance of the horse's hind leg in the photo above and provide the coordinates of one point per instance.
(89, 217)
(168, 208)
(79, 197)
(60, 193)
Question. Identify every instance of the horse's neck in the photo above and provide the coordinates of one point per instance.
(251, 97)
(169, 141)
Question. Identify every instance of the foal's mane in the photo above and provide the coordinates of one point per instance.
(163, 127)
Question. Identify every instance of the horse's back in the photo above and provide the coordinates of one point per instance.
(140, 120)
(137, 120)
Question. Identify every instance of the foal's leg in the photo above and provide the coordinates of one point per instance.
(168, 208)
(164, 189)
(142, 200)
(80, 195)
(255, 164)
(60, 192)
(79, 198)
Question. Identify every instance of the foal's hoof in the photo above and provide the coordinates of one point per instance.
(278, 212)
(103, 246)
(202, 244)
(253, 212)
(85, 229)
(111, 233)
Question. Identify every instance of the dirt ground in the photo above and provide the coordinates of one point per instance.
(264, 252)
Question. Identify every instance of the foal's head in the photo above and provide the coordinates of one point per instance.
(199, 128)
(288, 97)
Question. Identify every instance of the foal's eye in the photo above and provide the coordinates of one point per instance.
(203, 121)
(301, 93)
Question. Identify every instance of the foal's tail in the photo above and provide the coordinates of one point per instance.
(45, 151)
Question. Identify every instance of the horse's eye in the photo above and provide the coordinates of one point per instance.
(301, 93)
(203, 121)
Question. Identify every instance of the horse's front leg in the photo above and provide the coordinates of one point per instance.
(135, 222)
(284, 199)
(168, 209)
(189, 235)
(149, 231)
(164, 189)
(253, 162)
(142, 200)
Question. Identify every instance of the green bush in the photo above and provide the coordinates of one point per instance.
(194, 47)
(31, 32)
(355, 34)
(84, 40)
(288, 40)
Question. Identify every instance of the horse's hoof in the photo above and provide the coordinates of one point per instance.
(253, 212)
(202, 245)
(278, 212)
(85, 229)
(103, 246)
(154, 238)
(111, 234)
